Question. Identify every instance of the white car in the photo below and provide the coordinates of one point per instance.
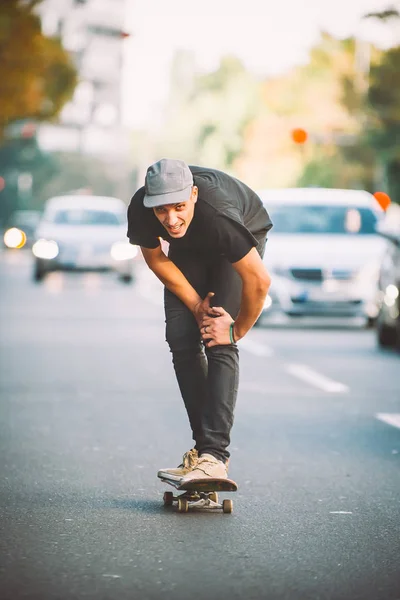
(83, 233)
(323, 253)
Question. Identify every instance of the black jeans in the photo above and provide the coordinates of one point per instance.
(208, 378)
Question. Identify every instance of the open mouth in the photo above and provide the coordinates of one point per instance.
(175, 229)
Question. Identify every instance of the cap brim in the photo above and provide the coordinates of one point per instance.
(171, 198)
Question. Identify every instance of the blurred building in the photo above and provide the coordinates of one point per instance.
(92, 31)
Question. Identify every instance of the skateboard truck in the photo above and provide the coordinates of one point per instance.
(200, 495)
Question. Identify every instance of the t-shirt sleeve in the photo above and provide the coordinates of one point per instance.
(234, 240)
(141, 231)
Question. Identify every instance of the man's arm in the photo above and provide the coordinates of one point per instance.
(256, 282)
(175, 281)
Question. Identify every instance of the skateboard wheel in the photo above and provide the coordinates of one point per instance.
(227, 506)
(183, 505)
(214, 497)
(168, 498)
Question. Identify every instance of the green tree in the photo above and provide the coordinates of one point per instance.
(383, 132)
(37, 74)
(37, 78)
(233, 121)
(63, 172)
(383, 106)
(384, 15)
(207, 114)
(310, 96)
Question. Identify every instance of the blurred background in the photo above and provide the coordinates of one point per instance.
(299, 99)
(279, 95)
(95, 90)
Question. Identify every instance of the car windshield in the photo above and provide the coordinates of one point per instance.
(85, 217)
(322, 219)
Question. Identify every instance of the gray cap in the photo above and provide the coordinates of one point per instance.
(168, 181)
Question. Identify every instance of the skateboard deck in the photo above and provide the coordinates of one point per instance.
(209, 485)
(200, 494)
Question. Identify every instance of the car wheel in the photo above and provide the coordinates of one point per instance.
(397, 335)
(370, 322)
(127, 278)
(38, 272)
(386, 335)
(258, 323)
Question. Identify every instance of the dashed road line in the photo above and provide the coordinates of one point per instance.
(255, 348)
(316, 379)
(389, 418)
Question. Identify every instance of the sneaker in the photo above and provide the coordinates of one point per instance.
(189, 462)
(207, 466)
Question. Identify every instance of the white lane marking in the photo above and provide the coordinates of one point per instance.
(310, 376)
(340, 512)
(391, 419)
(255, 348)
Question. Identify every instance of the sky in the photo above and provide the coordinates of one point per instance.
(269, 36)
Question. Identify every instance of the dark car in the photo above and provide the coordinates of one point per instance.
(388, 320)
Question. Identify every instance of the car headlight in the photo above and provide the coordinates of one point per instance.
(267, 302)
(123, 251)
(45, 249)
(391, 295)
(14, 238)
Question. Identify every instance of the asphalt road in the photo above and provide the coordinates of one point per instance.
(89, 410)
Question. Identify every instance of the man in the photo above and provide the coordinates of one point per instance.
(215, 287)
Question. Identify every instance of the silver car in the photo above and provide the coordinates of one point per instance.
(323, 253)
(83, 233)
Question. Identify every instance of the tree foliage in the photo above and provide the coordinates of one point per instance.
(206, 117)
(63, 172)
(384, 15)
(347, 98)
(37, 75)
(383, 132)
(309, 96)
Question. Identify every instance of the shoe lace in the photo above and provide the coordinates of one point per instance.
(190, 458)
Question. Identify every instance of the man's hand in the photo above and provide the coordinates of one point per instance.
(203, 308)
(215, 326)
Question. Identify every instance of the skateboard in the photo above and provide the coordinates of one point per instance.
(200, 494)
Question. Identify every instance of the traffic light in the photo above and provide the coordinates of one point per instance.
(383, 200)
(299, 135)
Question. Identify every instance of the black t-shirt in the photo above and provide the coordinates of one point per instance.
(228, 217)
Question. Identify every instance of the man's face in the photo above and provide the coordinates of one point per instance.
(176, 218)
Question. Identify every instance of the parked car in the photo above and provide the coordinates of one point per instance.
(83, 233)
(323, 253)
(388, 320)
